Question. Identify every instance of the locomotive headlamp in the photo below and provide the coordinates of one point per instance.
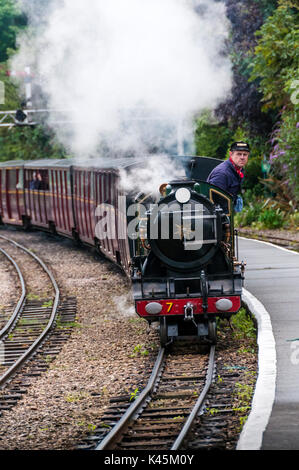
(183, 195)
(153, 308)
(224, 304)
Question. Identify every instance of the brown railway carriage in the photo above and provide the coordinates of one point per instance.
(65, 202)
(94, 188)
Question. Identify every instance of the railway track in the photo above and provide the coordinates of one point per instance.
(161, 416)
(29, 326)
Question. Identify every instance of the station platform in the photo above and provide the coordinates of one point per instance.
(272, 294)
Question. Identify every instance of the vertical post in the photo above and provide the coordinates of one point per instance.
(180, 138)
(28, 87)
(2, 92)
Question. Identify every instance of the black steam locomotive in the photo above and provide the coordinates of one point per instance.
(179, 250)
(185, 270)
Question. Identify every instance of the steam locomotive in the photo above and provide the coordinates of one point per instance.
(179, 248)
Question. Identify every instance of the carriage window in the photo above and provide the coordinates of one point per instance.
(37, 180)
(20, 179)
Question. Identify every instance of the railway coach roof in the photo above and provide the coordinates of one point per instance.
(12, 163)
(196, 167)
(34, 163)
(67, 162)
(47, 163)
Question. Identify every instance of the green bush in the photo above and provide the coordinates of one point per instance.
(272, 218)
(275, 63)
(250, 214)
(266, 214)
(243, 325)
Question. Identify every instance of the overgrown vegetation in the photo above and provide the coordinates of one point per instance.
(267, 214)
(243, 393)
(242, 331)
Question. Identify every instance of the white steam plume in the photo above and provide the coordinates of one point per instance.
(158, 169)
(101, 59)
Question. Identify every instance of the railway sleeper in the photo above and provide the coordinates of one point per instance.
(168, 395)
(165, 414)
(144, 445)
(162, 421)
(149, 435)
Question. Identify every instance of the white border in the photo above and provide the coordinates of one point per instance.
(264, 395)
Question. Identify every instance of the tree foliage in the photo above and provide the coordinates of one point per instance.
(29, 143)
(11, 20)
(244, 105)
(276, 65)
(276, 59)
(211, 139)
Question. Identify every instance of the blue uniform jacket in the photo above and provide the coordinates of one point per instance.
(225, 177)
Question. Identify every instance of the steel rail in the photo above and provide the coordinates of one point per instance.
(51, 321)
(186, 428)
(136, 405)
(17, 310)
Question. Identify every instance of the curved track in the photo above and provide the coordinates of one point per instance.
(30, 323)
(21, 300)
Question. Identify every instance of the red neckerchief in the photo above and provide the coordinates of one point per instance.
(238, 170)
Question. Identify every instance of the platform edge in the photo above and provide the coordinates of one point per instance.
(262, 403)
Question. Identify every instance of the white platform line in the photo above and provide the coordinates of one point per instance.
(264, 395)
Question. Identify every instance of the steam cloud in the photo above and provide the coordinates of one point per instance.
(106, 62)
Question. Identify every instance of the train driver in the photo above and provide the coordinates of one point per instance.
(229, 174)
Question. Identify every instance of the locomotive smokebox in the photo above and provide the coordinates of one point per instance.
(184, 229)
